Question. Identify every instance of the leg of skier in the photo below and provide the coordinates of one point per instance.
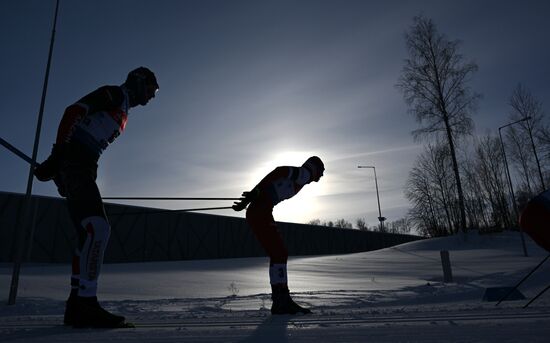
(86, 209)
(260, 218)
(68, 318)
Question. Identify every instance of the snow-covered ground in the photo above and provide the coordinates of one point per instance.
(390, 295)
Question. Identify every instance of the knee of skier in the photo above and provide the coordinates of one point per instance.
(280, 257)
(97, 226)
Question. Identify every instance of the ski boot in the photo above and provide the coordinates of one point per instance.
(283, 303)
(86, 312)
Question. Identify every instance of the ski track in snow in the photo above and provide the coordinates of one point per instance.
(215, 320)
(391, 295)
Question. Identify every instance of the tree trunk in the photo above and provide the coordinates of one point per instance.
(457, 176)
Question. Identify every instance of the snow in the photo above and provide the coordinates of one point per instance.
(390, 295)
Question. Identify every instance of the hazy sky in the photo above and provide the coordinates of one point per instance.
(246, 86)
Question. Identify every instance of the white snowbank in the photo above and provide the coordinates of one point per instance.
(390, 295)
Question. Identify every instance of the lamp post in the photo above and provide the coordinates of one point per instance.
(380, 218)
(514, 204)
(23, 232)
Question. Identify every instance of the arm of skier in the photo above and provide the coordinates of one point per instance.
(102, 99)
(277, 174)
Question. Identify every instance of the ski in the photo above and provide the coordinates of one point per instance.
(122, 325)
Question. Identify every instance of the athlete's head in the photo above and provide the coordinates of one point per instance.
(315, 167)
(142, 86)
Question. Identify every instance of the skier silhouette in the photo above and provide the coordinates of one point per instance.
(86, 129)
(281, 184)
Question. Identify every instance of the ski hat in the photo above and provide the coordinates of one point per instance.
(140, 82)
(315, 167)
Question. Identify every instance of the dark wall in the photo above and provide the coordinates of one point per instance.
(143, 234)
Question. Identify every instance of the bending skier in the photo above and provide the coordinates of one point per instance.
(281, 184)
(86, 129)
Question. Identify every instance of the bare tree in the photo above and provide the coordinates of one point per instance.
(490, 167)
(544, 140)
(522, 138)
(419, 193)
(434, 84)
(340, 223)
(400, 226)
(477, 210)
(316, 222)
(436, 163)
(429, 188)
(485, 184)
(343, 224)
(362, 224)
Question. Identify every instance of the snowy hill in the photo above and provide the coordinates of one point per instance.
(390, 295)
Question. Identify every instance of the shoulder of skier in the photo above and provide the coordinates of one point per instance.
(282, 172)
(105, 98)
(102, 99)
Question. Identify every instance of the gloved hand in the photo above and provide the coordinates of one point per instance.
(240, 205)
(248, 197)
(48, 169)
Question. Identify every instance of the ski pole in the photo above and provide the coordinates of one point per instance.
(519, 283)
(166, 198)
(18, 152)
(538, 295)
(171, 211)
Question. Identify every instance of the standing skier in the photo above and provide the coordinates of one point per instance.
(535, 219)
(281, 184)
(86, 129)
